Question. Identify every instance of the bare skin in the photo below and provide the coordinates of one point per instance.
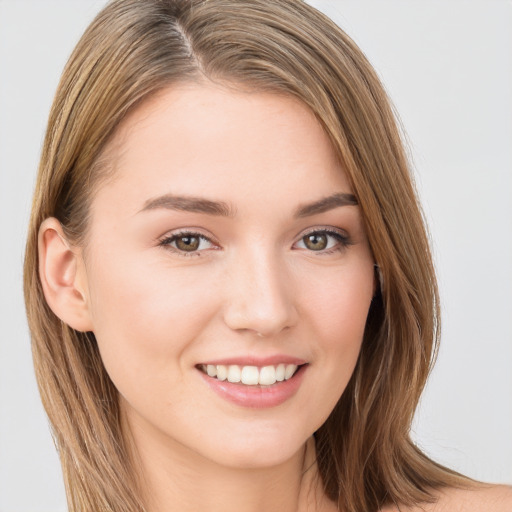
(168, 288)
(229, 230)
(478, 498)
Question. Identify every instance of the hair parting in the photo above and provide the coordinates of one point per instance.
(132, 50)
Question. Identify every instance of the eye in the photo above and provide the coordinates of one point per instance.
(187, 243)
(324, 240)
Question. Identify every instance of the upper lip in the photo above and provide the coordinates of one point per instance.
(256, 361)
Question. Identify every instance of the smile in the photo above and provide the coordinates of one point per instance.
(250, 375)
(254, 382)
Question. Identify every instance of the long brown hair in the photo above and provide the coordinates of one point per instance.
(135, 48)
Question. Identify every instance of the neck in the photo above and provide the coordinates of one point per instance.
(181, 481)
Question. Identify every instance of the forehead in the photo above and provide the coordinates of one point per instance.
(221, 143)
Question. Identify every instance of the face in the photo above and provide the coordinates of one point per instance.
(227, 246)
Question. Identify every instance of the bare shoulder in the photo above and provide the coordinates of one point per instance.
(481, 498)
(478, 498)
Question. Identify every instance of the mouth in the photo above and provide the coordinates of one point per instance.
(253, 382)
(251, 375)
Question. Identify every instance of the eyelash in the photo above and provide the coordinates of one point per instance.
(168, 240)
(343, 241)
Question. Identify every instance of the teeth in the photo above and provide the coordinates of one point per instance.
(234, 373)
(251, 375)
(267, 376)
(289, 371)
(222, 372)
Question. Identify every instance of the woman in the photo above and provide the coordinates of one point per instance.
(228, 282)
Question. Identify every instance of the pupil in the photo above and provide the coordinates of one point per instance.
(188, 243)
(316, 242)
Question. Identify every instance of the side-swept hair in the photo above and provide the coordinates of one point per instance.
(135, 48)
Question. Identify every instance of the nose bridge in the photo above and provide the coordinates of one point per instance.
(259, 297)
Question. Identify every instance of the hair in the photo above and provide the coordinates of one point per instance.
(132, 50)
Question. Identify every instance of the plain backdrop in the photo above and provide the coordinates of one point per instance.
(447, 65)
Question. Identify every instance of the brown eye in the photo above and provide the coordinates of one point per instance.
(187, 243)
(324, 241)
(315, 241)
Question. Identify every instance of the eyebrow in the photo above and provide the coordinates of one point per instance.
(190, 204)
(222, 209)
(325, 204)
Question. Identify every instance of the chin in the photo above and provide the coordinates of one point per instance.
(258, 451)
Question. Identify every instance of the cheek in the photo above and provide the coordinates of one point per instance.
(337, 309)
(338, 305)
(145, 319)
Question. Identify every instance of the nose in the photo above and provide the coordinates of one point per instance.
(259, 297)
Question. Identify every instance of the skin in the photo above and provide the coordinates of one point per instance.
(479, 497)
(252, 288)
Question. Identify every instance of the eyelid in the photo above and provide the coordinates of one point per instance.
(166, 240)
(188, 230)
(323, 229)
(344, 239)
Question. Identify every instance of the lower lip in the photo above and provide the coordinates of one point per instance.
(256, 397)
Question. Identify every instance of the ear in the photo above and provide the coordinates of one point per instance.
(63, 277)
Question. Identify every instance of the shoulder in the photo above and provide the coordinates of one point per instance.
(481, 498)
(478, 498)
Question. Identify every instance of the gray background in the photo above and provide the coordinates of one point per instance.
(447, 65)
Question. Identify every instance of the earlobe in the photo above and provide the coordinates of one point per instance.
(63, 284)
